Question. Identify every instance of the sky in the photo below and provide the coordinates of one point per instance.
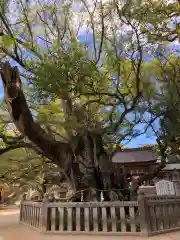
(141, 140)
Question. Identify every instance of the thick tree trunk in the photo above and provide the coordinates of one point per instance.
(88, 165)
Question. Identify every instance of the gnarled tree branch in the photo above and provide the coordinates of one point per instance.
(22, 117)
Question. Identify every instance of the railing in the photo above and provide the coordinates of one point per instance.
(30, 214)
(113, 218)
(147, 216)
(94, 218)
(164, 214)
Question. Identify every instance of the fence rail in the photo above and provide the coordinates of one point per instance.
(30, 214)
(93, 217)
(98, 218)
(147, 216)
(164, 214)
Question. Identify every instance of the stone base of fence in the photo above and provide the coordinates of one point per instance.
(148, 216)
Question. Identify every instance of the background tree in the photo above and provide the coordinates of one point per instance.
(169, 102)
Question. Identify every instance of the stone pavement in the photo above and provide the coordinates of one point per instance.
(11, 230)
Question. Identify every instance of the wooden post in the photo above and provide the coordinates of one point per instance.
(21, 217)
(142, 206)
(22, 210)
(123, 219)
(44, 213)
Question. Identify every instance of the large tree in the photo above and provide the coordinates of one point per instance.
(170, 101)
(87, 93)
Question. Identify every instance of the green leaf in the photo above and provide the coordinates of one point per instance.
(7, 41)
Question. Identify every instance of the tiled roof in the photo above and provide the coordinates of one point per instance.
(133, 155)
(172, 166)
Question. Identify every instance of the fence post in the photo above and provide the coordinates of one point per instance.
(21, 211)
(44, 209)
(142, 205)
(23, 198)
